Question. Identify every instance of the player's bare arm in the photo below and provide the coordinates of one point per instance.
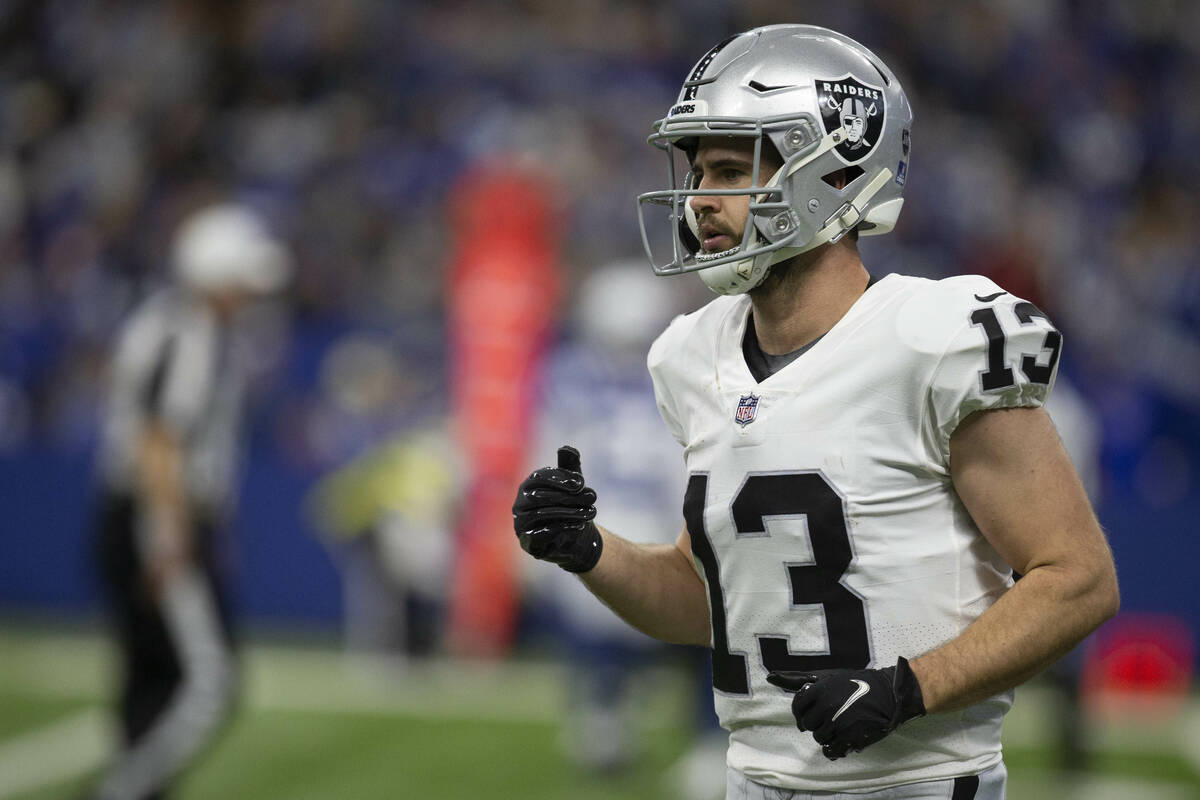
(1017, 482)
(654, 588)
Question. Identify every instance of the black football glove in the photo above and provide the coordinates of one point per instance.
(553, 515)
(848, 709)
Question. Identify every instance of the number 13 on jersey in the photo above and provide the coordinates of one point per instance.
(816, 583)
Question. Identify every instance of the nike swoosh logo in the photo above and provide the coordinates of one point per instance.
(987, 298)
(862, 689)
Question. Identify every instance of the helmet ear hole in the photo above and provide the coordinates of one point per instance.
(841, 178)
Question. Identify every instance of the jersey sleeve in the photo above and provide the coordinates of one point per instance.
(660, 363)
(1003, 354)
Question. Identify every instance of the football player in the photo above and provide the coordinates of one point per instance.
(868, 459)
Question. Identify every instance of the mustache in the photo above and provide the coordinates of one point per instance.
(711, 226)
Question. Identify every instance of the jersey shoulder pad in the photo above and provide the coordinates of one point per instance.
(935, 310)
(691, 336)
(980, 347)
(682, 354)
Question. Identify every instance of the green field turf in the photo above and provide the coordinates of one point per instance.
(314, 725)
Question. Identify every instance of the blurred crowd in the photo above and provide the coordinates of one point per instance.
(1055, 147)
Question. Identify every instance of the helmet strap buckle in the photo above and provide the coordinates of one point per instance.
(847, 216)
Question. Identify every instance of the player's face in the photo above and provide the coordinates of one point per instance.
(725, 163)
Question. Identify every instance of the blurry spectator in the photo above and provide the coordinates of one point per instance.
(387, 515)
(350, 124)
(167, 475)
(388, 519)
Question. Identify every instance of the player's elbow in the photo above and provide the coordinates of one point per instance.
(1086, 585)
(1102, 589)
(1108, 592)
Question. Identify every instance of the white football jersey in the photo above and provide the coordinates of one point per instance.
(822, 515)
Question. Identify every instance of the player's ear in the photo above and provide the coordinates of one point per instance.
(837, 179)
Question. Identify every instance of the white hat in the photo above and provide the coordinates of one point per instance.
(225, 246)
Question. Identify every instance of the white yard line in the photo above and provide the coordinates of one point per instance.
(62, 750)
(340, 684)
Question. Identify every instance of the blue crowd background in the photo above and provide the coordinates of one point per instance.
(1056, 147)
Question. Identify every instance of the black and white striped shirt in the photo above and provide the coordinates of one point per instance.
(174, 364)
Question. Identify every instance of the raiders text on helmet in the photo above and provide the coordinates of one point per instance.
(825, 103)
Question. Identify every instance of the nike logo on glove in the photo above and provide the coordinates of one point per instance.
(862, 689)
(987, 298)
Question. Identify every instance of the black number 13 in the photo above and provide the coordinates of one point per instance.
(817, 583)
(998, 374)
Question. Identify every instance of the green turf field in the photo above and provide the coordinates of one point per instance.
(315, 724)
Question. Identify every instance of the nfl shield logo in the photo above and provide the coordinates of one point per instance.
(746, 409)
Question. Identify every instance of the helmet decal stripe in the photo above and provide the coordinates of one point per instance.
(694, 80)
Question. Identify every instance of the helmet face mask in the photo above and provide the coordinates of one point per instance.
(806, 92)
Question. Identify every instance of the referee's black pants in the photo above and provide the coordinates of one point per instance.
(152, 658)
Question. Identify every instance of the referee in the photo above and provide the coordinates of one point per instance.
(166, 472)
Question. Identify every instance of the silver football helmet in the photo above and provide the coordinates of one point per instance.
(825, 103)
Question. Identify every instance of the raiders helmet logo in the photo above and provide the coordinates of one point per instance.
(857, 106)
